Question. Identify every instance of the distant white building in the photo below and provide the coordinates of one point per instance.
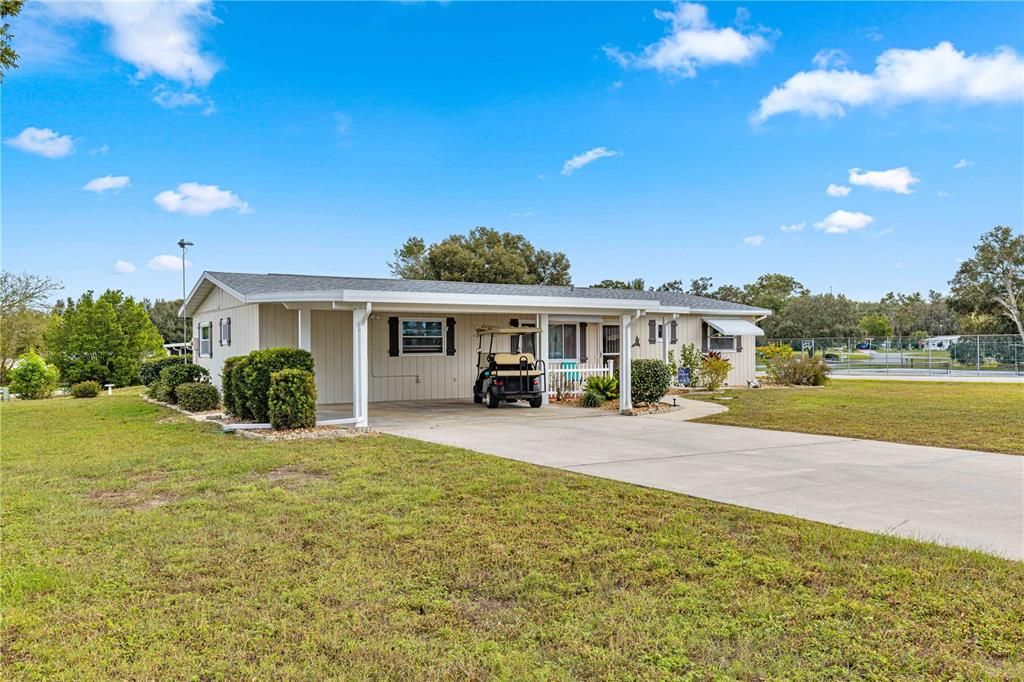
(939, 342)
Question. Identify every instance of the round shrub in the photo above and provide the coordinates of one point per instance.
(651, 380)
(197, 396)
(185, 373)
(33, 378)
(263, 363)
(292, 399)
(150, 370)
(591, 398)
(85, 389)
(714, 370)
(158, 391)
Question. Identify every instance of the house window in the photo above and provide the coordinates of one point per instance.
(527, 342)
(422, 337)
(661, 331)
(225, 331)
(720, 342)
(206, 340)
(562, 342)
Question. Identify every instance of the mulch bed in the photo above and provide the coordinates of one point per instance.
(315, 433)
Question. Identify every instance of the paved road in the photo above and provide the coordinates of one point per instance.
(954, 497)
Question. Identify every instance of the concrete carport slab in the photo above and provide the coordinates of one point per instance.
(954, 497)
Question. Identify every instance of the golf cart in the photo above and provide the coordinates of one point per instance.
(504, 372)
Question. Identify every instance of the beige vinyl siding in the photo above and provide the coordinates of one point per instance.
(331, 345)
(219, 304)
(279, 326)
(689, 331)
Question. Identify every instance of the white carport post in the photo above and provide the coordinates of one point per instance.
(305, 328)
(361, 365)
(625, 364)
(542, 352)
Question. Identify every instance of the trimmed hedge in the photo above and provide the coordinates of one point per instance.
(237, 403)
(227, 382)
(651, 380)
(158, 391)
(150, 370)
(292, 399)
(197, 396)
(257, 376)
(85, 389)
(185, 373)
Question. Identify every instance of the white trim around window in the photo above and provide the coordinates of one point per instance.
(225, 331)
(206, 340)
(421, 336)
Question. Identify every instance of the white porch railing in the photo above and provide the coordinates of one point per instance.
(569, 379)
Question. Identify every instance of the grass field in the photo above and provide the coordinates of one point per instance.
(973, 416)
(140, 545)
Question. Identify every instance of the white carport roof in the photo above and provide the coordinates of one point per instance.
(734, 327)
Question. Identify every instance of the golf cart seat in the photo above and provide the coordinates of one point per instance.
(514, 359)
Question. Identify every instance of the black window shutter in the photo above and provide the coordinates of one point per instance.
(583, 342)
(704, 336)
(450, 338)
(652, 331)
(739, 344)
(674, 339)
(393, 337)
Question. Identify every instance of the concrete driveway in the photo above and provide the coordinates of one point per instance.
(954, 497)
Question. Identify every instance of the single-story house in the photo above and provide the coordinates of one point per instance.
(396, 339)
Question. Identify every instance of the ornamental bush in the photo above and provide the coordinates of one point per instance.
(690, 358)
(651, 380)
(591, 398)
(197, 396)
(85, 389)
(227, 384)
(158, 391)
(185, 373)
(772, 352)
(150, 370)
(32, 378)
(258, 370)
(605, 386)
(713, 371)
(800, 370)
(292, 399)
(237, 401)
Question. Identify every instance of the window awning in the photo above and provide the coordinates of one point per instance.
(734, 327)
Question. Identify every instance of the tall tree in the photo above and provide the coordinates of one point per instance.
(8, 56)
(875, 325)
(164, 314)
(700, 286)
(483, 255)
(23, 300)
(674, 285)
(104, 339)
(818, 315)
(992, 282)
(637, 284)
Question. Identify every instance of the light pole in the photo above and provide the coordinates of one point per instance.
(183, 245)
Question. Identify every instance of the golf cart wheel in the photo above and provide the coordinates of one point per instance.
(492, 400)
(536, 402)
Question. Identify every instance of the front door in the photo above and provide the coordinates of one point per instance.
(610, 345)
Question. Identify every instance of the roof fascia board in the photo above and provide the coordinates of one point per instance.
(436, 298)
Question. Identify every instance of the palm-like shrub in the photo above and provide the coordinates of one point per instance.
(591, 399)
(605, 386)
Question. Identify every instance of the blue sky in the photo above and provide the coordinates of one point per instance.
(317, 137)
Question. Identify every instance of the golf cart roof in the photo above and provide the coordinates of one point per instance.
(506, 331)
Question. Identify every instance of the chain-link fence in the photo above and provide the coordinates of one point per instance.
(961, 355)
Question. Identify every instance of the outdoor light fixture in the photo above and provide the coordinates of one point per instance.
(183, 245)
(636, 342)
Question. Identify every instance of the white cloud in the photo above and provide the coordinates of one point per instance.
(692, 42)
(963, 163)
(937, 74)
(896, 180)
(123, 267)
(834, 190)
(841, 222)
(589, 156)
(617, 85)
(172, 99)
(191, 198)
(825, 59)
(107, 182)
(523, 214)
(872, 33)
(102, 149)
(167, 262)
(795, 227)
(942, 193)
(755, 240)
(161, 37)
(42, 142)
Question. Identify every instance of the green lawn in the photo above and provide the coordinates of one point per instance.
(974, 416)
(140, 545)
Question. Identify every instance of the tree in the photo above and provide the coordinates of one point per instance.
(818, 315)
(8, 57)
(22, 317)
(635, 284)
(701, 286)
(674, 285)
(773, 291)
(32, 378)
(103, 339)
(728, 292)
(165, 316)
(484, 255)
(992, 282)
(875, 325)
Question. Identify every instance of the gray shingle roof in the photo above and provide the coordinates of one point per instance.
(250, 284)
